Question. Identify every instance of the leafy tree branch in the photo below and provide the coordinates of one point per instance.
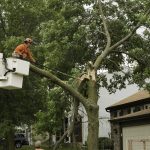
(109, 49)
(65, 86)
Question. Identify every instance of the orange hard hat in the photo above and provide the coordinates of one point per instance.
(29, 40)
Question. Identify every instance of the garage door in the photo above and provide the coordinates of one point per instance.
(136, 137)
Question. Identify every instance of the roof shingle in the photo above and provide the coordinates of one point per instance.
(139, 96)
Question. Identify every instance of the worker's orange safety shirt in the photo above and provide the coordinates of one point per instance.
(24, 51)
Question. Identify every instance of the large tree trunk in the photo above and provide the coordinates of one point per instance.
(93, 129)
(93, 115)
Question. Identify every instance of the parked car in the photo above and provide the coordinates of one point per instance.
(20, 140)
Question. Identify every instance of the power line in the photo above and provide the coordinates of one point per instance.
(55, 70)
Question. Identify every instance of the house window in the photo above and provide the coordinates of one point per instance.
(128, 110)
(115, 114)
(120, 112)
(142, 107)
(136, 108)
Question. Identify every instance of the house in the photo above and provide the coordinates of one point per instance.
(130, 122)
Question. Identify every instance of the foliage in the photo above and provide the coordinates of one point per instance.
(105, 143)
(50, 120)
(18, 20)
(70, 33)
(74, 35)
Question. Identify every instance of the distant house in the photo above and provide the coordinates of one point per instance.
(130, 122)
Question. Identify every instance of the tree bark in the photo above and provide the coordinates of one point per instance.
(10, 140)
(93, 114)
(93, 129)
(71, 127)
(62, 84)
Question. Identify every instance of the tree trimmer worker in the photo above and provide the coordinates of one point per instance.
(22, 51)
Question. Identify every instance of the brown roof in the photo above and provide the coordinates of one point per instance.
(132, 115)
(139, 96)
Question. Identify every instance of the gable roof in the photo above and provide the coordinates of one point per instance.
(139, 96)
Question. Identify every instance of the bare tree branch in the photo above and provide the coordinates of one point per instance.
(71, 127)
(60, 140)
(74, 116)
(109, 49)
(105, 25)
(125, 38)
(65, 86)
(59, 82)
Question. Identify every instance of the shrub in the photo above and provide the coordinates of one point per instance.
(105, 143)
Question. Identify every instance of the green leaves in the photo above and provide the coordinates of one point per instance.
(10, 43)
(18, 20)
(68, 35)
(50, 119)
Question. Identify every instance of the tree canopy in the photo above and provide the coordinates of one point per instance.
(18, 20)
(86, 35)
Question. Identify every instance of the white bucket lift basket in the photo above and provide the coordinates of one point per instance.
(12, 71)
